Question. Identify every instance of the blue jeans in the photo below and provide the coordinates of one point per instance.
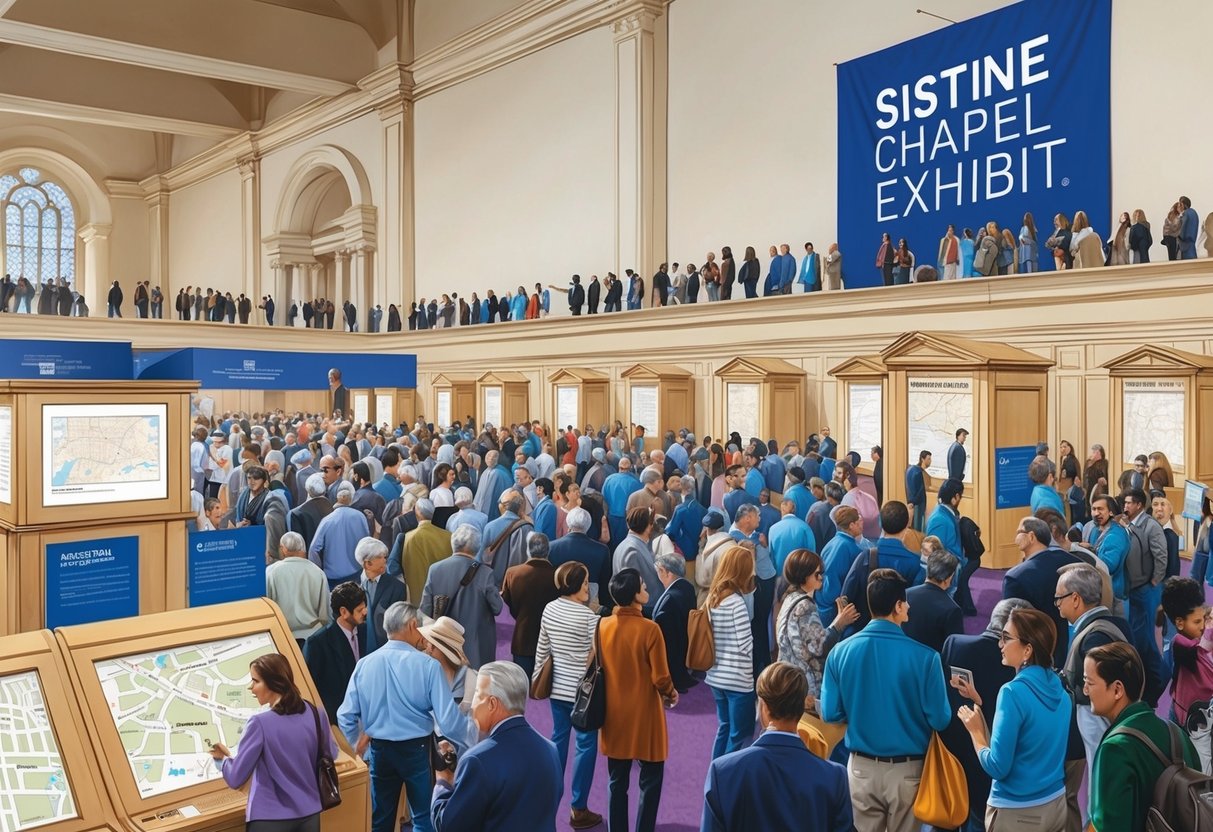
(1200, 565)
(585, 756)
(1143, 602)
(735, 710)
(397, 764)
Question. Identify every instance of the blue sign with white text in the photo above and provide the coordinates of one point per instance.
(25, 358)
(91, 580)
(218, 369)
(987, 119)
(226, 565)
(1012, 488)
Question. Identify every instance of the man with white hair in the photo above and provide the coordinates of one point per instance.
(464, 589)
(382, 590)
(617, 489)
(652, 493)
(671, 612)
(423, 546)
(298, 587)
(493, 481)
(596, 474)
(302, 460)
(467, 513)
(336, 538)
(527, 589)
(394, 698)
(511, 780)
(576, 545)
(505, 538)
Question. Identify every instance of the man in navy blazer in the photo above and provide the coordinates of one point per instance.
(777, 783)
(330, 653)
(510, 781)
(671, 612)
(1035, 579)
(576, 545)
(981, 656)
(382, 590)
(933, 614)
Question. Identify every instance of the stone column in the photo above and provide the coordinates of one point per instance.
(250, 233)
(396, 282)
(340, 286)
(641, 79)
(156, 197)
(96, 283)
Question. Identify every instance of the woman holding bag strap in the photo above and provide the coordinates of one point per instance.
(279, 751)
(1025, 753)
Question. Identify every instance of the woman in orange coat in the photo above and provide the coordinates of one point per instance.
(638, 683)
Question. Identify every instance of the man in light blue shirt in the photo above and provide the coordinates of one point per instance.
(394, 698)
(789, 534)
(886, 752)
(336, 538)
(616, 490)
(493, 481)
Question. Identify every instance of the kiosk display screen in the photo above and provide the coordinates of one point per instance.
(104, 453)
(35, 789)
(170, 706)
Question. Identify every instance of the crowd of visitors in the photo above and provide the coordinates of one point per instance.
(392, 551)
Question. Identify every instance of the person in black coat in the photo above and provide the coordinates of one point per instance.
(750, 272)
(934, 616)
(692, 285)
(671, 612)
(579, 546)
(592, 295)
(981, 656)
(1035, 579)
(661, 285)
(393, 318)
(114, 300)
(431, 314)
(614, 295)
(576, 295)
(382, 590)
(328, 652)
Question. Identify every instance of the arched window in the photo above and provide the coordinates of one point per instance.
(39, 227)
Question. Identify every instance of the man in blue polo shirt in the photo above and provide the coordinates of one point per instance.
(754, 480)
(735, 492)
(887, 736)
(944, 522)
(616, 490)
(798, 492)
(837, 556)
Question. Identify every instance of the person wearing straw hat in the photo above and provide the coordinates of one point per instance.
(444, 642)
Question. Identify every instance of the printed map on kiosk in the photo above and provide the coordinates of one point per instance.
(35, 790)
(170, 706)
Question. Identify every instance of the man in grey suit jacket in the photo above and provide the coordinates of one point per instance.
(382, 590)
(464, 589)
(634, 552)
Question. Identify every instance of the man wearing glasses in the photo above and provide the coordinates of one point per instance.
(332, 469)
(1035, 579)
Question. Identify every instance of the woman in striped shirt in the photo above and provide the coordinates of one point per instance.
(566, 635)
(731, 678)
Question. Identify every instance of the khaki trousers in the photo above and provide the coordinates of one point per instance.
(882, 794)
(1048, 817)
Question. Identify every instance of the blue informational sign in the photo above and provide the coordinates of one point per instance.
(1012, 488)
(983, 120)
(88, 360)
(1194, 496)
(91, 580)
(272, 370)
(226, 565)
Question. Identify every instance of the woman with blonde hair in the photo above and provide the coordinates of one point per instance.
(1060, 243)
(731, 678)
(1028, 252)
(1008, 256)
(1118, 243)
(1170, 231)
(1085, 245)
(1159, 476)
(1140, 238)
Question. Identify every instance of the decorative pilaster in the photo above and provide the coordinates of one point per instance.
(250, 235)
(641, 79)
(156, 197)
(397, 281)
(96, 240)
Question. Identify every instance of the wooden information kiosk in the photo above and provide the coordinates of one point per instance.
(454, 398)
(504, 397)
(938, 383)
(190, 669)
(579, 397)
(1160, 400)
(94, 492)
(660, 397)
(54, 784)
(863, 395)
(763, 397)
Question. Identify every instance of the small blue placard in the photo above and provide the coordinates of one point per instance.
(1194, 495)
(91, 580)
(1012, 488)
(226, 565)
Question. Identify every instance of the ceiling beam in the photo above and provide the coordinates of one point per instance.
(112, 118)
(152, 57)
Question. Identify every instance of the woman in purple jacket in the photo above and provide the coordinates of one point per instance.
(278, 750)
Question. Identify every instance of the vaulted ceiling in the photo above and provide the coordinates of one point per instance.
(203, 68)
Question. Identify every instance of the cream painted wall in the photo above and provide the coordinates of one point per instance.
(129, 252)
(204, 235)
(437, 21)
(514, 173)
(753, 135)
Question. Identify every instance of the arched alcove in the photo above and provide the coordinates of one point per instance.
(323, 242)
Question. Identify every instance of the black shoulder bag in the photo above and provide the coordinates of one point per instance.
(326, 770)
(589, 704)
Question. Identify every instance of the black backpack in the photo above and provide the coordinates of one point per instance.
(970, 539)
(855, 585)
(1183, 797)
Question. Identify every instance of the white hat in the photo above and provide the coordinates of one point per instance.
(447, 635)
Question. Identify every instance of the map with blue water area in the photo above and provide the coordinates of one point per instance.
(35, 789)
(171, 706)
(105, 450)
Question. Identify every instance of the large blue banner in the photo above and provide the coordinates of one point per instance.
(987, 119)
(219, 369)
(91, 580)
(90, 360)
(226, 565)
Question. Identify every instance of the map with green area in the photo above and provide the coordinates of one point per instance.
(172, 705)
(34, 791)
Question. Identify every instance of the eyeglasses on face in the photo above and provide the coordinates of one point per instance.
(1005, 637)
(1057, 599)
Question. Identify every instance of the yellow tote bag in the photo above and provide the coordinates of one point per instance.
(943, 791)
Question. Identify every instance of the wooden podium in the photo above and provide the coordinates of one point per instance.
(938, 383)
(864, 382)
(92, 461)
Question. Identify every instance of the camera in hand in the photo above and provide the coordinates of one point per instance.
(442, 760)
